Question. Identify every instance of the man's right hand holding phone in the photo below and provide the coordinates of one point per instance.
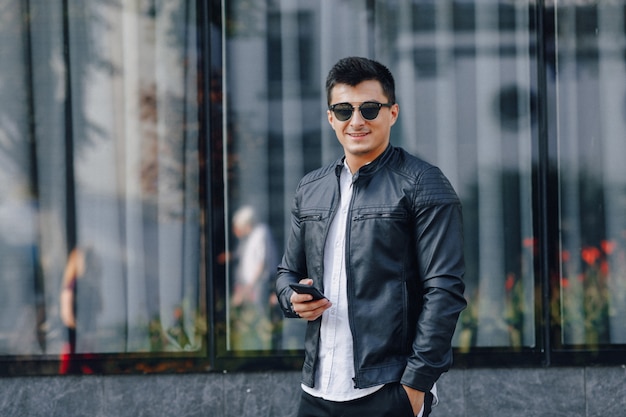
(306, 307)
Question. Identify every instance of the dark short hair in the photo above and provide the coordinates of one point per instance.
(355, 70)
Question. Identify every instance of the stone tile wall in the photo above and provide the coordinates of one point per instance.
(552, 392)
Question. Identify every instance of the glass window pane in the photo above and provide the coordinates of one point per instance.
(466, 93)
(19, 302)
(99, 178)
(591, 86)
(276, 53)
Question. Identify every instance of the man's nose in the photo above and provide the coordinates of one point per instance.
(357, 118)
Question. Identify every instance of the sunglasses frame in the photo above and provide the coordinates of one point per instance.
(378, 105)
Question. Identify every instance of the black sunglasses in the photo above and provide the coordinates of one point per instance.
(369, 110)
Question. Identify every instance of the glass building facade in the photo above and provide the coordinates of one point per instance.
(149, 152)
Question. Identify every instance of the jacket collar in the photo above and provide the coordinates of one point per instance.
(369, 169)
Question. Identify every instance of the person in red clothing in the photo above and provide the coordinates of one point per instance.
(80, 303)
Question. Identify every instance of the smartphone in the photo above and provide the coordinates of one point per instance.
(307, 289)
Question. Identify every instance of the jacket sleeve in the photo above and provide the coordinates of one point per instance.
(292, 266)
(439, 250)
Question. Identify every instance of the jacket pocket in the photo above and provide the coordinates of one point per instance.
(310, 217)
(380, 214)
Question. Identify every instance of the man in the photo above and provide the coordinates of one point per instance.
(379, 232)
(253, 302)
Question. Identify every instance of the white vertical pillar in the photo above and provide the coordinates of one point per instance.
(291, 105)
(611, 44)
(568, 149)
(491, 328)
(446, 99)
(523, 63)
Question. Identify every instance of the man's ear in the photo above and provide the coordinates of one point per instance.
(395, 111)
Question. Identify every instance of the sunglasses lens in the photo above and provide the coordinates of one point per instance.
(370, 111)
(343, 112)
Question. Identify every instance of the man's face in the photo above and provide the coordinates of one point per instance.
(362, 140)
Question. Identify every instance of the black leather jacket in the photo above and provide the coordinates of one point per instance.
(404, 266)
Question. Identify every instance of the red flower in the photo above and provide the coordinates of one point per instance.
(564, 282)
(607, 246)
(510, 282)
(590, 254)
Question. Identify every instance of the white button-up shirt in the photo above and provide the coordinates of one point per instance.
(335, 363)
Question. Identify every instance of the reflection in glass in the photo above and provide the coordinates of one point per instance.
(466, 95)
(80, 304)
(99, 171)
(466, 91)
(255, 316)
(277, 130)
(591, 86)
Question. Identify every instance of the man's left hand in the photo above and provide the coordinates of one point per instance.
(416, 398)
